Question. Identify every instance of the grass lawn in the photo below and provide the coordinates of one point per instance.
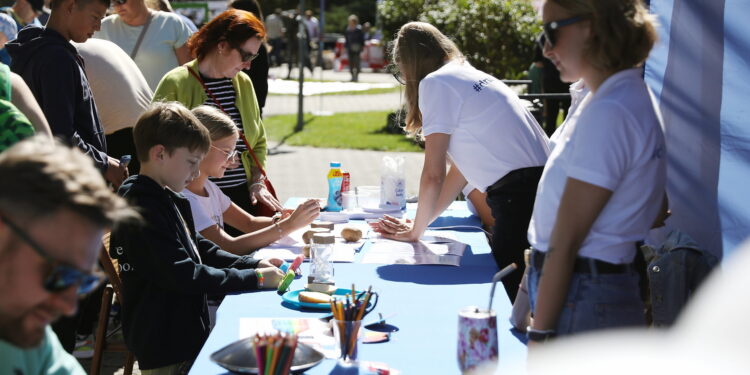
(359, 130)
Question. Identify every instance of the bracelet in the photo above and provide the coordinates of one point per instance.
(539, 335)
(261, 183)
(261, 279)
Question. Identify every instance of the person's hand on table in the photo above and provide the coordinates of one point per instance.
(390, 225)
(259, 194)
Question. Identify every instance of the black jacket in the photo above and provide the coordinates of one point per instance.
(54, 71)
(164, 313)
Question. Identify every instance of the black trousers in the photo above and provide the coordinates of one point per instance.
(121, 143)
(511, 200)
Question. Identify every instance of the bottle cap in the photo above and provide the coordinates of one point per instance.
(323, 238)
(335, 164)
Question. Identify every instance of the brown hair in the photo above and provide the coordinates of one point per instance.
(219, 125)
(419, 50)
(41, 176)
(622, 32)
(233, 26)
(171, 125)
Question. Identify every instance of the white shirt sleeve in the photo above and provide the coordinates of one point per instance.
(201, 218)
(603, 144)
(440, 105)
(222, 199)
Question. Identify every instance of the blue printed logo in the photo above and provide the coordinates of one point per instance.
(479, 85)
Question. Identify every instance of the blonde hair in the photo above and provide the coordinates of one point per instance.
(41, 177)
(218, 123)
(419, 50)
(171, 125)
(622, 32)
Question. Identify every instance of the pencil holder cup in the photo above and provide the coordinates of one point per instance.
(347, 334)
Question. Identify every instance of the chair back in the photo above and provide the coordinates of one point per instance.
(111, 267)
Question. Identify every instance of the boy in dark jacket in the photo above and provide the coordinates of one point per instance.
(167, 269)
(53, 69)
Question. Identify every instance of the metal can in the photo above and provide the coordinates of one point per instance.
(477, 339)
(346, 182)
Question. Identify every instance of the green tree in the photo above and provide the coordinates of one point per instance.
(497, 36)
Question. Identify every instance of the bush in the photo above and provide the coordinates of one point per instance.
(497, 36)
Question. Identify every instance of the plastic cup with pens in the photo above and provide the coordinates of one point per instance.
(347, 325)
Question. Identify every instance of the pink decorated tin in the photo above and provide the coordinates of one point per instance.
(477, 338)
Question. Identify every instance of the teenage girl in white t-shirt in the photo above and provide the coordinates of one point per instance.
(476, 121)
(604, 182)
(211, 208)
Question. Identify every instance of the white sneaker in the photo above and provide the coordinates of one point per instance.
(84, 347)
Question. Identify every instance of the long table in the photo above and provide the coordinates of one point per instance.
(426, 300)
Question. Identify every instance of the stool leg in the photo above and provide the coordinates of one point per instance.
(129, 364)
(101, 330)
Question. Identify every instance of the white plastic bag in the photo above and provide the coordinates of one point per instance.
(393, 183)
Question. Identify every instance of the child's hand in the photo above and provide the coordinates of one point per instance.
(271, 277)
(305, 214)
(270, 262)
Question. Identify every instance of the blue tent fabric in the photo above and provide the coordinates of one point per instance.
(699, 72)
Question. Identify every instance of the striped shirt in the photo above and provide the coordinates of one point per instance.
(224, 92)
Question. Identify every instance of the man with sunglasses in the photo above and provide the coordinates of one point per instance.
(54, 207)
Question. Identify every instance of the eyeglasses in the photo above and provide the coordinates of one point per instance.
(550, 28)
(121, 2)
(246, 56)
(230, 154)
(60, 276)
(397, 74)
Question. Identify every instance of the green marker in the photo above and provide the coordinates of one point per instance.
(286, 281)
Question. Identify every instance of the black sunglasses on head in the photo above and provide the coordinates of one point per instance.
(550, 28)
(60, 276)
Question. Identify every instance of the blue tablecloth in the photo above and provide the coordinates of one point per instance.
(426, 300)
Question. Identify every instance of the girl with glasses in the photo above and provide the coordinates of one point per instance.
(476, 121)
(211, 208)
(223, 48)
(603, 185)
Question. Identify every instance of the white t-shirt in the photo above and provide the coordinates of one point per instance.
(120, 90)
(209, 210)
(578, 93)
(156, 55)
(491, 131)
(615, 142)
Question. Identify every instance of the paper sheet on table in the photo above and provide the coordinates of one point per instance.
(313, 332)
(435, 248)
(290, 246)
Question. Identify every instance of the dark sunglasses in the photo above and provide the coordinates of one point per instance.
(60, 276)
(246, 56)
(550, 28)
(121, 2)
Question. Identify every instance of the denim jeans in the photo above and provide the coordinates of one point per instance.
(596, 301)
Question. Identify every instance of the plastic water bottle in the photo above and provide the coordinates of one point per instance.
(335, 178)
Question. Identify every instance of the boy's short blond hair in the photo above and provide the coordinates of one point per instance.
(171, 125)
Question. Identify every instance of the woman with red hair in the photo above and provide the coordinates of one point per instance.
(223, 48)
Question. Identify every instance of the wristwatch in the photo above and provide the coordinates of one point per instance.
(539, 335)
(276, 217)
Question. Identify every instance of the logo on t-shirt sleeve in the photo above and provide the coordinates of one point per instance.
(482, 83)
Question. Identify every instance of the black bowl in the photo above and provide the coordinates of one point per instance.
(239, 356)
